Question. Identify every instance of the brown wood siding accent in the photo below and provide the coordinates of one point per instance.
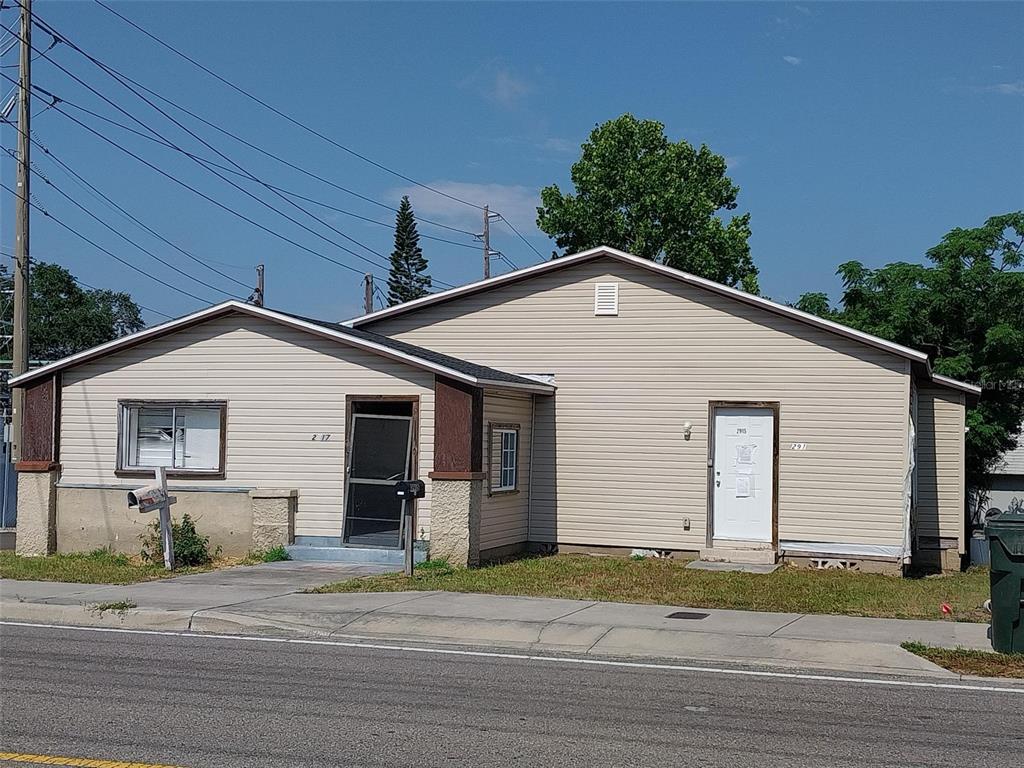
(458, 426)
(39, 443)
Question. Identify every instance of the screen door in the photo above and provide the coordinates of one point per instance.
(379, 456)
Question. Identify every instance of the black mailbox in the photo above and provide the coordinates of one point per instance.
(410, 489)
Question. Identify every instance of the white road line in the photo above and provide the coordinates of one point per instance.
(529, 657)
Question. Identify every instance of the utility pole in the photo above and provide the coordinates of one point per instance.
(21, 222)
(368, 293)
(257, 295)
(487, 242)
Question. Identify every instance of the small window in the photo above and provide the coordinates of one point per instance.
(606, 299)
(186, 438)
(504, 458)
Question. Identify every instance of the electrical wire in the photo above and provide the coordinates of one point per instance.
(42, 177)
(195, 191)
(121, 79)
(98, 247)
(520, 236)
(103, 197)
(4, 252)
(226, 169)
(287, 117)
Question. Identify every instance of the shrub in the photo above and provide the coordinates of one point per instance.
(273, 555)
(190, 548)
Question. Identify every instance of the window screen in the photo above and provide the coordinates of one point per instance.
(184, 437)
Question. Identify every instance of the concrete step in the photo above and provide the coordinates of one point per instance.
(721, 554)
(355, 555)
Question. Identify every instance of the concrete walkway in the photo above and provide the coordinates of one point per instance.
(269, 600)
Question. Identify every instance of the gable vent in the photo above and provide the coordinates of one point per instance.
(606, 299)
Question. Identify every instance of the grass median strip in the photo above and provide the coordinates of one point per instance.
(662, 581)
(965, 661)
(104, 567)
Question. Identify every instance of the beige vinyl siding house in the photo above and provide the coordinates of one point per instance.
(941, 482)
(504, 514)
(282, 387)
(598, 401)
(639, 353)
(616, 470)
(273, 429)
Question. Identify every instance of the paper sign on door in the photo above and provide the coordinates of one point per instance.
(743, 486)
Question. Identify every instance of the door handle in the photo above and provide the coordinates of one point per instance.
(718, 483)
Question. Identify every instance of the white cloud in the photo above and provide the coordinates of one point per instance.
(496, 82)
(802, 9)
(1006, 89)
(564, 146)
(515, 202)
(794, 60)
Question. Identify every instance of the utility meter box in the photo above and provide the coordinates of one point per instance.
(410, 489)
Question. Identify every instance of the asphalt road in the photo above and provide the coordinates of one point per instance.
(198, 702)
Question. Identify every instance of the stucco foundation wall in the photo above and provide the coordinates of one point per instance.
(455, 527)
(89, 518)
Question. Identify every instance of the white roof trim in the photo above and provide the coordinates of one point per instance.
(288, 320)
(963, 386)
(685, 277)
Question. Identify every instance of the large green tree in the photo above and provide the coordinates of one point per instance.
(662, 200)
(407, 279)
(64, 317)
(966, 309)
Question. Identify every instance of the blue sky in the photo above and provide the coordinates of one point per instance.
(855, 131)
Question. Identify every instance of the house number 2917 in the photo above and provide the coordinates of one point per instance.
(321, 437)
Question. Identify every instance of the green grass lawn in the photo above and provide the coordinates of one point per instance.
(789, 589)
(104, 567)
(968, 662)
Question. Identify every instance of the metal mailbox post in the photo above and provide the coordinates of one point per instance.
(408, 491)
(152, 497)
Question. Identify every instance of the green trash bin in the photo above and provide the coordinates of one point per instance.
(1006, 546)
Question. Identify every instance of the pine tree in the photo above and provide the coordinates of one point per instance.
(407, 279)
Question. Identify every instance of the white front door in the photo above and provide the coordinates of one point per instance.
(743, 472)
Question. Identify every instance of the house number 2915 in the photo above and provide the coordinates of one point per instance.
(321, 437)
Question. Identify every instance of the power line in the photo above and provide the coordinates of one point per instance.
(151, 231)
(98, 247)
(3, 252)
(287, 117)
(121, 79)
(272, 155)
(127, 239)
(226, 169)
(520, 236)
(192, 189)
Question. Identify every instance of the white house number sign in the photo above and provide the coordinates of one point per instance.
(321, 437)
(798, 446)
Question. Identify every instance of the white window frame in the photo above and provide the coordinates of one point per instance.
(124, 465)
(502, 468)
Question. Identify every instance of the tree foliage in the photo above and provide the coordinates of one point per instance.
(407, 279)
(966, 309)
(65, 318)
(662, 200)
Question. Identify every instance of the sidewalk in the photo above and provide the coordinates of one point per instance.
(268, 600)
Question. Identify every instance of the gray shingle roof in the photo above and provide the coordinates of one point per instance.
(456, 364)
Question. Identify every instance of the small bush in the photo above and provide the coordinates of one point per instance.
(274, 555)
(190, 548)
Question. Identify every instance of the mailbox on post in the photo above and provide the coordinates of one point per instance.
(408, 491)
(152, 497)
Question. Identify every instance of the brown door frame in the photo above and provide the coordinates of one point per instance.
(713, 406)
(414, 459)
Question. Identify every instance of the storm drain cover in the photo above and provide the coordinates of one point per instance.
(687, 615)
